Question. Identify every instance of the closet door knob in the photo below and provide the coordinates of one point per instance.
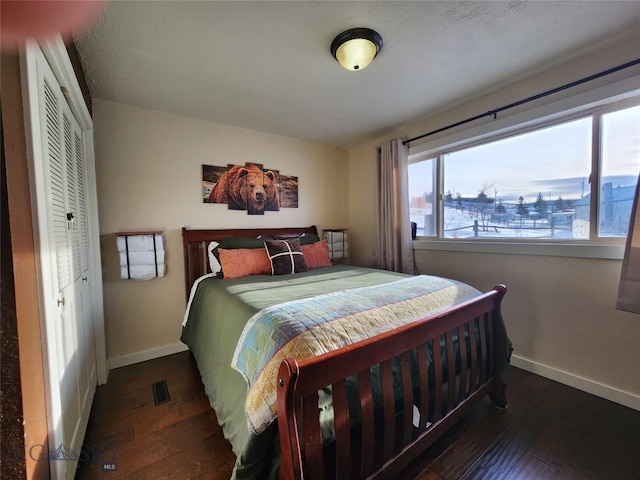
(61, 301)
(84, 279)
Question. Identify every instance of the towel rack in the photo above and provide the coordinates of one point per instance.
(337, 243)
(156, 249)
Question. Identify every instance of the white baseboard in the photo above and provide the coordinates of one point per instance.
(146, 355)
(604, 391)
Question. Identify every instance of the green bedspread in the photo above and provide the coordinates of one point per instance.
(219, 312)
(309, 327)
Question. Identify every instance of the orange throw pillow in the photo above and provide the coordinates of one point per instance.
(242, 262)
(316, 255)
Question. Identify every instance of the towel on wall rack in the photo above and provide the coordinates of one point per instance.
(141, 258)
(337, 243)
(141, 255)
(139, 242)
(338, 250)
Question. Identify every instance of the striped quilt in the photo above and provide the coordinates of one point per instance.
(312, 326)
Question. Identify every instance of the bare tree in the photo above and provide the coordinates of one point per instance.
(522, 209)
(483, 201)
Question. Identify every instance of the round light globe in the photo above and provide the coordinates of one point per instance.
(356, 54)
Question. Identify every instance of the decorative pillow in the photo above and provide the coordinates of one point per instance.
(230, 243)
(214, 262)
(285, 256)
(305, 238)
(316, 255)
(242, 262)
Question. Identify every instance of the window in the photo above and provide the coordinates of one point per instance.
(422, 181)
(620, 161)
(545, 183)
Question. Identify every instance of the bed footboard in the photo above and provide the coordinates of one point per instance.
(393, 395)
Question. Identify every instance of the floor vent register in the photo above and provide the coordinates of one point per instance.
(160, 392)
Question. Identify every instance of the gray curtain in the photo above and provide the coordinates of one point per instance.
(629, 290)
(394, 249)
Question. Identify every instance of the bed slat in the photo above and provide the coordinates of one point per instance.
(313, 454)
(438, 383)
(490, 336)
(423, 375)
(343, 430)
(464, 367)
(475, 374)
(407, 398)
(483, 348)
(368, 425)
(389, 409)
(451, 372)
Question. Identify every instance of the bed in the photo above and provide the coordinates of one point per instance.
(387, 386)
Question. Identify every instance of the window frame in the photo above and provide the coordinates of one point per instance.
(594, 103)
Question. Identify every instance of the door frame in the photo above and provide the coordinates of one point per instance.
(55, 53)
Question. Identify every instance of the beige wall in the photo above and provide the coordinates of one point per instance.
(148, 168)
(559, 311)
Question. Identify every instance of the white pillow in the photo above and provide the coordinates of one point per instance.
(214, 264)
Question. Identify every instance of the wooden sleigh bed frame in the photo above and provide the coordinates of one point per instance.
(380, 441)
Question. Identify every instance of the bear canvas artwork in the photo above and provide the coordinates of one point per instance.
(288, 188)
(248, 187)
(210, 176)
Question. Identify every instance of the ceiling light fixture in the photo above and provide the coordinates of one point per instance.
(356, 48)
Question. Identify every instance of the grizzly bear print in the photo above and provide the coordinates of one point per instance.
(246, 188)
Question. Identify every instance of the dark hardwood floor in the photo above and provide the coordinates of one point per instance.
(550, 431)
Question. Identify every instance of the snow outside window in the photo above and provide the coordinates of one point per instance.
(541, 184)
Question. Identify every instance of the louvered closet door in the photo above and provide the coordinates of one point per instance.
(87, 340)
(77, 232)
(70, 345)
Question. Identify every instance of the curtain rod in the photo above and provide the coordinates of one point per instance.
(494, 113)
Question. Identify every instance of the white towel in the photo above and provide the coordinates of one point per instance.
(337, 255)
(338, 250)
(141, 272)
(141, 258)
(139, 243)
(332, 237)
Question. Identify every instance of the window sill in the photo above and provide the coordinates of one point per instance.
(578, 250)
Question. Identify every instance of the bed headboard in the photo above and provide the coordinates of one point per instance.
(194, 246)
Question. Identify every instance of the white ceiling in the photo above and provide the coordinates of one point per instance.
(266, 65)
